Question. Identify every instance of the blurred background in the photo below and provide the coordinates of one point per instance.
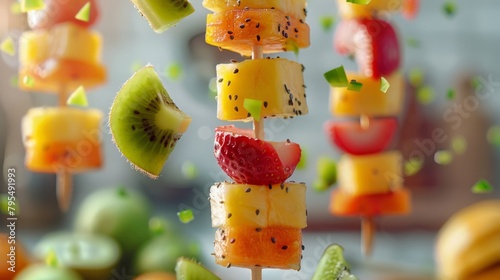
(450, 51)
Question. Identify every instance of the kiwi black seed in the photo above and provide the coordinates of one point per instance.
(145, 122)
(189, 269)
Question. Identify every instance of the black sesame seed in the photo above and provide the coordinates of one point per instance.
(220, 80)
(136, 112)
(273, 239)
(233, 61)
(133, 127)
(228, 83)
(236, 108)
(236, 71)
(248, 190)
(235, 97)
(282, 186)
(258, 38)
(286, 189)
(242, 26)
(247, 20)
(257, 212)
(258, 229)
(228, 265)
(257, 25)
(265, 104)
(231, 37)
(232, 240)
(270, 187)
(230, 97)
(303, 247)
(152, 138)
(296, 29)
(284, 247)
(229, 215)
(229, 32)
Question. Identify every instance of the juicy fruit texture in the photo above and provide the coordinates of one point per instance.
(57, 11)
(278, 83)
(346, 204)
(22, 260)
(332, 265)
(145, 122)
(272, 29)
(373, 42)
(352, 10)
(469, 242)
(59, 139)
(163, 14)
(43, 272)
(270, 247)
(90, 255)
(118, 213)
(370, 174)
(254, 161)
(237, 205)
(352, 138)
(186, 269)
(370, 100)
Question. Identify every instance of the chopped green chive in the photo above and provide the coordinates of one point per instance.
(15, 8)
(185, 216)
(51, 259)
(254, 107)
(450, 8)
(384, 85)
(174, 71)
(337, 77)
(212, 87)
(476, 83)
(303, 159)
(326, 22)
(360, 2)
(450, 94)
(189, 170)
(355, 86)
(84, 13)
(412, 42)
(28, 81)
(32, 5)
(482, 186)
(425, 95)
(7, 46)
(327, 170)
(416, 77)
(412, 167)
(459, 145)
(443, 157)
(78, 98)
(493, 135)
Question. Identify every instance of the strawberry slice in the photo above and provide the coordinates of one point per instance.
(354, 139)
(248, 160)
(373, 42)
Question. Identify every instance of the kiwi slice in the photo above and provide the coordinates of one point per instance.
(163, 14)
(332, 265)
(187, 269)
(145, 122)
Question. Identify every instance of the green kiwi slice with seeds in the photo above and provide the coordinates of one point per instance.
(163, 14)
(145, 122)
(187, 269)
(332, 265)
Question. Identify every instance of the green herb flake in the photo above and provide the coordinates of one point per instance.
(189, 170)
(254, 107)
(493, 135)
(384, 85)
(425, 95)
(327, 22)
(84, 13)
(443, 157)
(450, 94)
(416, 77)
(28, 81)
(326, 169)
(32, 5)
(450, 8)
(459, 145)
(212, 87)
(185, 216)
(355, 86)
(482, 186)
(174, 71)
(337, 77)
(7, 46)
(476, 83)
(78, 98)
(360, 2)
(412, 167)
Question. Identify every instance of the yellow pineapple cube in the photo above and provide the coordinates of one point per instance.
(278, 83)
(370, 174)
(256, 206)
(349, 10)
(370, 100)
(295, 8)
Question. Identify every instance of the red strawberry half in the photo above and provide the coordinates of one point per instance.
(248, 160)
(373, 42)
(352, 138)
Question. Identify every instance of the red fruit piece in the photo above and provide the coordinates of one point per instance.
(248, 160)
(410, 9)
(354, 139)
(58, 11)
(373, 42)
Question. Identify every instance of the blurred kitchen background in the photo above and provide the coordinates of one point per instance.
(450, 51)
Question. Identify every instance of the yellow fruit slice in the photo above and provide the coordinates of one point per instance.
(278, 83)
(62, 138)
(349, 10)
(255, 206)
(370, 174)
(370, 100)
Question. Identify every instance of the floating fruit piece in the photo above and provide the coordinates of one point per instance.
(7, 46)
(90, 255)
(351, 137)
(145, 122)
(119, 213)
(42, 272)
(250, 160)
(373, 42)
(295, 8)
(32, 5)
(482, 186)
(468, 244)
(370, 174)
(443, 157)
(188, 269)
(59, 139)
(346, 204)
(278, 83)
(57, 11)
(258, 206)
(186, 216)
(349, 10)
(332, 265)
(78, 98)
(84, 13)
(370, 100)
(162, 14)
(326, 169)
(240, 30)
(269, 247)
(19, 255)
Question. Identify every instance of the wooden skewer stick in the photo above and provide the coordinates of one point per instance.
(256, 273)
(367, 235)
(64, 184)
(258, 126)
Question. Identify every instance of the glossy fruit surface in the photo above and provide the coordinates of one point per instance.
(58, 11)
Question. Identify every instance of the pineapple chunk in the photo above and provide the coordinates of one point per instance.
(62, 138)
(356, 11)
(278, 83)
(370, 100)
(238, 205)
(63, 41)
(296, 8)
(370, 174)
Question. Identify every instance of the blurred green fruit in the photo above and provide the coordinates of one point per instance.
(45, 272)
